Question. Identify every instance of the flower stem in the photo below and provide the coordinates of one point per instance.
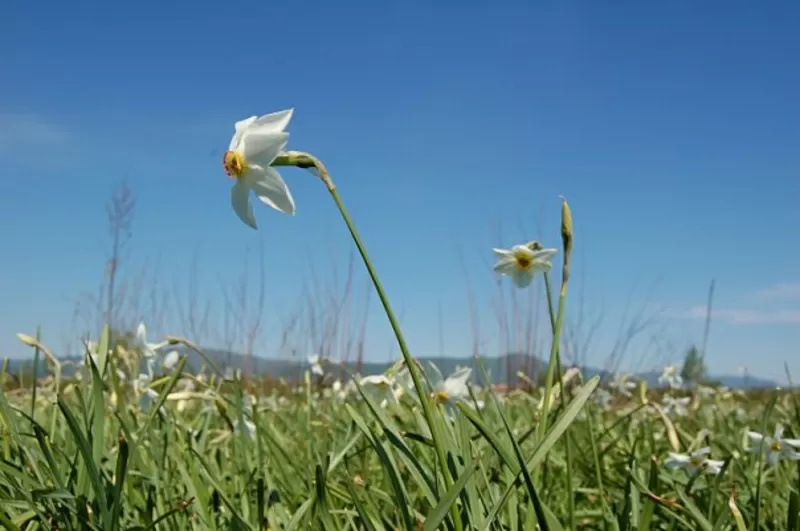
(307, 161)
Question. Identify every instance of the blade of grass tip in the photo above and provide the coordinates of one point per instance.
(119, 480)
(388, 465)
(532, 493)
(598, 468)
(416, 468)
(90, 465)
(793, 512)
(7, 523)
(366, 519)
(35, 386)
(551, 437)
(648, 506)
(759, 461)
(440, 512)
(321, 509)
(737, 514)
(694, 511)
(299, 516)
(98, 414)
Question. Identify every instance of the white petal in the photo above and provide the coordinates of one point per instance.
(791, 442)
(523, 251)
(773, 457)
(240, 200)
(262, 148)
(502, 252)
(313, 359)
(676, 460)
(505, 266)
(271, 189)
(171, 359)
(778, 432)
(541, 266)
(239, 128)
(754, 437)
(274, 122)
(701, 452)
(522, 279)
(141, 335)
(544, 254)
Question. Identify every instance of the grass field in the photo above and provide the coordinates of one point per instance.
(184, 451)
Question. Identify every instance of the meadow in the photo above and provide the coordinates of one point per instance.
(131, 439)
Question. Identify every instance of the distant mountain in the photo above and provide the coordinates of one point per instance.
(501, 369)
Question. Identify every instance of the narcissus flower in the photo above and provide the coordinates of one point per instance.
(775, 447)
(695, 462)
(256, 142)
(522, 263)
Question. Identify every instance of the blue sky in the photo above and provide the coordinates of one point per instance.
(450, 128)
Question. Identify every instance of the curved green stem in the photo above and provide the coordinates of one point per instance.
(307, 161)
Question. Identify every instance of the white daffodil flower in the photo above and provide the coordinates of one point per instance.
(380, 388)
(775, 447)
(256, 142)
(148, 349)
(676, 405)
(695, 462)
(622, 385)
(671, 376)
(316, 365)
(141, 386)
(454, 387)
(602, 398)
(521, 263)
(171, 360)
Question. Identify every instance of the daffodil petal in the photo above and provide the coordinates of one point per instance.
(262, 148)
(240, 200)
(505, 267)
(239, 128)
(544, 254)
(502, 252)
(274, 122)
(270, 189)
(522, 279)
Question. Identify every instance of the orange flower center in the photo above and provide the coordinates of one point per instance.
(234, 164)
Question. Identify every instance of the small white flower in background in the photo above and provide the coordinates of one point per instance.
(602, 398)
(141, 386)
(256, 142)
(622, 385)
(775, 447)
(454, 388)
(695, 462)
(339, 390)
(671, 376)
(148, 349)
(380, 388)
(316, 364)
(521, 263)
(706, 392)
(250, 428)
(171, 360)
(676, 405)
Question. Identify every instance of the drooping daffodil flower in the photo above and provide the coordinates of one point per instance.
(522, 263)
(256, 142)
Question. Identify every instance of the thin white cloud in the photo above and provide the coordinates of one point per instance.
(745, 316)
(789, 290)
(22, 132)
